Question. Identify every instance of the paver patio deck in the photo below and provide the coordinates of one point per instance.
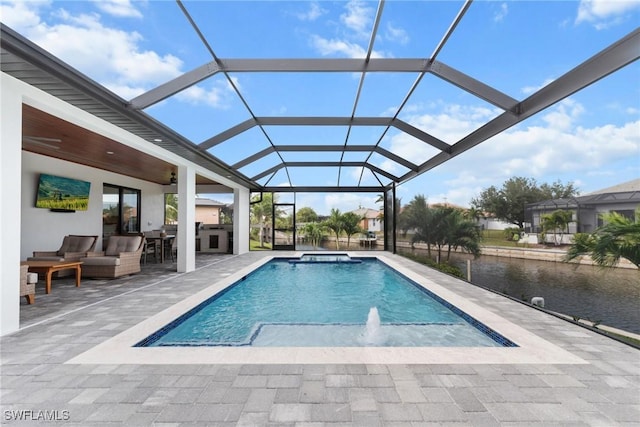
(38, 385)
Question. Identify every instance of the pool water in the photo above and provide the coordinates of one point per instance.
(325, 304)
(324, 258)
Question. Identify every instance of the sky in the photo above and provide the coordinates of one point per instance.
(590, 139)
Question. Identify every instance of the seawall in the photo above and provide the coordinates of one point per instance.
(552, 255)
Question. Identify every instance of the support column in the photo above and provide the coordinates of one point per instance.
(186, 219)
(240, 220)
(10, 205)
(396, 214)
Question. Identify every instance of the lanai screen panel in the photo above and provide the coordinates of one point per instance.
(389, 75)
(393, 77)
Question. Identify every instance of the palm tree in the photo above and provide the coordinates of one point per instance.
(472, 214)
(171, 208)
(351, 225)
(261, 213)
(417, 216)
(442, 227)
(334, 223)
(462, 233)
(380, 199)
(618, 238)
(556, 221)
(315, 233)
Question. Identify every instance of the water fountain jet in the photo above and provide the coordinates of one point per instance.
(372, 332)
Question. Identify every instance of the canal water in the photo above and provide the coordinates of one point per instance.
(611, 296)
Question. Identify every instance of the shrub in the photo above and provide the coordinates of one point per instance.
(443, 267)
(512, 233)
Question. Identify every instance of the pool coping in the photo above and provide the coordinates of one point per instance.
(531, 348)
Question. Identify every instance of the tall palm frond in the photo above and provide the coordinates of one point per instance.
(618, 238)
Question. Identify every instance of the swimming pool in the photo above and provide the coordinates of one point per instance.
(326, 301)
(490, 309)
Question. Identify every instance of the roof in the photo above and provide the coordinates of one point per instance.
(628, 192)
(201, 201)
(367, 213)
(272, 166)
(633, 185)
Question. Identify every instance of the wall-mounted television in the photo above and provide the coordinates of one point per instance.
(62, 194)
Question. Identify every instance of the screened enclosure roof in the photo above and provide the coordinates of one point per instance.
(338, 138)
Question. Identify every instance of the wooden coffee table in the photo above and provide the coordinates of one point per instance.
(49, 267)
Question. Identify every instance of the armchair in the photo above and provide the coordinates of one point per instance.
(121, 257)
(73, 248)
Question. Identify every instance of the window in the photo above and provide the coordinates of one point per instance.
(120, 210)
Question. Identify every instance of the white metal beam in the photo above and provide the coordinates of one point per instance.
(174, 86)
(227, 134)
(326, 121)
(473, 86)
(274, 65)
(324, 189)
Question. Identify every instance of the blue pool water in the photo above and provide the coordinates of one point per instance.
(322, 303)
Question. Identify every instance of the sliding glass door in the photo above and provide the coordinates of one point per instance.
(120, 211)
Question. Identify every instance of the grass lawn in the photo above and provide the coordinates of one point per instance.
(497, 238)
(254, 245)
(489, 238)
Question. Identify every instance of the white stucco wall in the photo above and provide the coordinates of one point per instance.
(10, 152)
(43, 230)
(493, 224)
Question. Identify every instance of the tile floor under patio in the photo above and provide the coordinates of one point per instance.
(36, 381)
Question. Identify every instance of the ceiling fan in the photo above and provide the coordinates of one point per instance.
(42, 141)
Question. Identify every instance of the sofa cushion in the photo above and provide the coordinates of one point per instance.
(64, 247)
(101, 260)
(119, 244)
(45, 258)
(76, 244)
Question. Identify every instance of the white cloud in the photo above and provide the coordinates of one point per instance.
(501, 13)
(119, 8)
(546, 153)
(313, 13)
(328, 47)
(450, 124)
(112, 57)
(396, 34)
(604, 13)
(357, 26)
(528, 90)
(564, 115)
(197, 95)
(558, 146)
(21, 14)
(358, 17)
(453, 121)
(125, 91)
(356, 173)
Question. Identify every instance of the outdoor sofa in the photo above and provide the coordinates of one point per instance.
(73, 248)
(121, 257)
